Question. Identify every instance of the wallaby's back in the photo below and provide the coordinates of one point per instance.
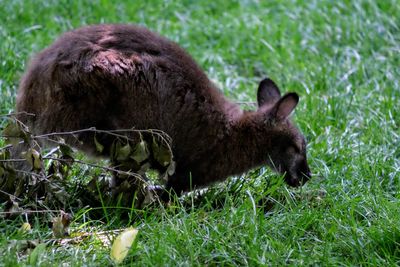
(119, 77)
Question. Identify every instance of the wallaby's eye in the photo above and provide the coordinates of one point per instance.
(292, 149)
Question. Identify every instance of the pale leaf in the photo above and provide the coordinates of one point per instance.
(122, 243)
(25, 227)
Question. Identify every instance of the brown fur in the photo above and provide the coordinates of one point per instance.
(121, 76)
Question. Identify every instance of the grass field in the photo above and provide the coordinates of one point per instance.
(343, 59)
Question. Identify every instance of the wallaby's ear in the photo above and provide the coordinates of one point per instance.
(285, 106)
(268, 92)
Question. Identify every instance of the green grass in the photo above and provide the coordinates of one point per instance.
(342, 57)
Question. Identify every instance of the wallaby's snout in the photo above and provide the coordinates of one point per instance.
(293, 164)
(299, 175)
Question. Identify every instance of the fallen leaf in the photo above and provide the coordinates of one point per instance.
(122, 243)
(25, 227)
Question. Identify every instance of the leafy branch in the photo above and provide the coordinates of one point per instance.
(44, 177)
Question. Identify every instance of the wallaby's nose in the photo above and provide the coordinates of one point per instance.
(304, 175)
(299, 178)
(293, 180)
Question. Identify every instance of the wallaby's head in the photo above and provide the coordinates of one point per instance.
(287, 146)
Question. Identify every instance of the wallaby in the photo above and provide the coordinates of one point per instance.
(124, 76)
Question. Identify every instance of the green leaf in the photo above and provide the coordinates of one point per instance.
(162, 153)
(12, 133)
(37, 160)
(115, 147)
(8, 182)
(2, 171)
(5, 154)
(34, 159)
(141, 152)
(122, 244)
(15, 131)
(124, 152)
(65, 149)
(99, 147)
(36, 253)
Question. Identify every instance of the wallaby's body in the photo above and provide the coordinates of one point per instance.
(120, 77)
